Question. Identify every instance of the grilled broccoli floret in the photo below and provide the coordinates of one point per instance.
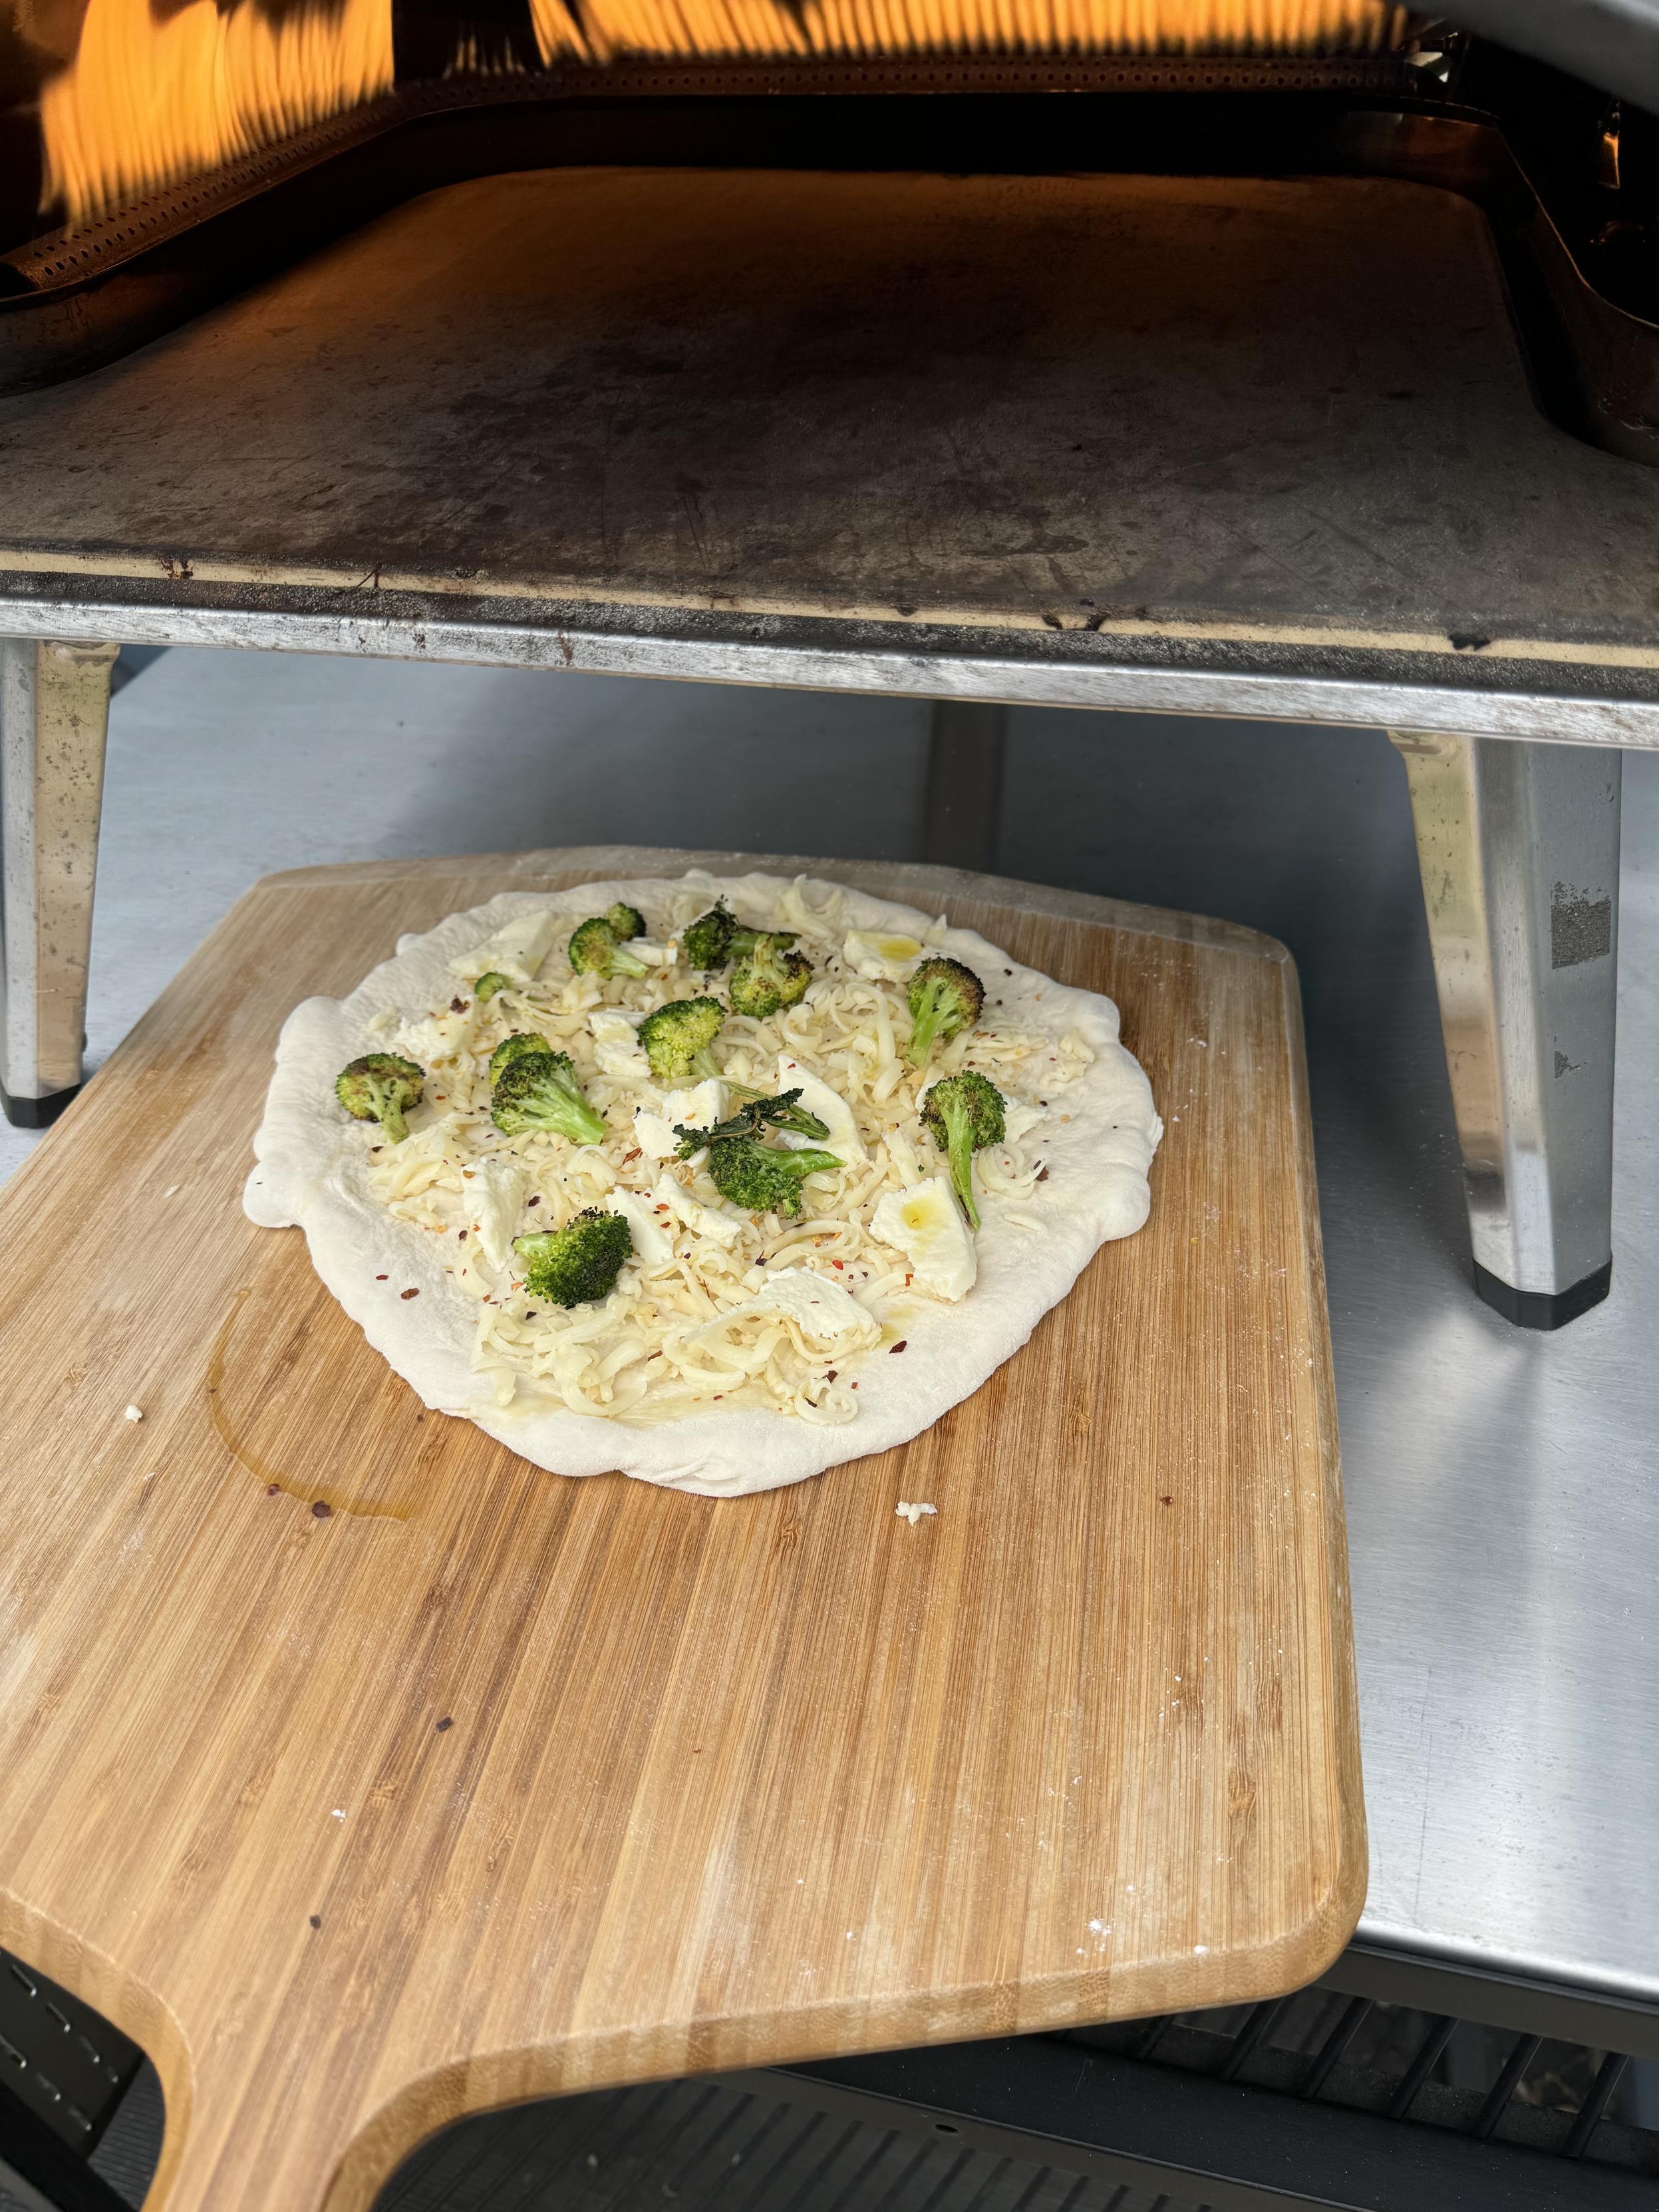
(945, 997)
(514, 1048)
(707, 941)
(768, 977)
(753, 1118)
(717, 937)
(963, 1113)
(761, 1177)
(625, 922)
(677, 1038)
(570, 1266)
(380, 1087)
(540, 1091)
(488, 983)
(594, 951)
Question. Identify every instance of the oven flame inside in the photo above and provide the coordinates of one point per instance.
(148, 99)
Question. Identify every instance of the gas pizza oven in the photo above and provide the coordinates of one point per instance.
(1285, 358)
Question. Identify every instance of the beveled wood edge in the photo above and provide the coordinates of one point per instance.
(600, 860)
(492, 2081)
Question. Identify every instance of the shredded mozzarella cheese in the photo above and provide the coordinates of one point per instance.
(716, 1305)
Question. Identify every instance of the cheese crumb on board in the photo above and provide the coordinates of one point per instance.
(913, 1513)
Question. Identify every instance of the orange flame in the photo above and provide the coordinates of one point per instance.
(764, 27)
(144, 103)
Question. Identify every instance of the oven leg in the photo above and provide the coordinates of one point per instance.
(1518, 846)
(54, 717)
(965, 743)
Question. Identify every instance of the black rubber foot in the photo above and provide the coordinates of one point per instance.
(35, 1113)
(1543, 1308)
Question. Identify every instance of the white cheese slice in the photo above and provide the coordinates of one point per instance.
(823, 1310)
(496, 1194)
(516, 952)
(650, 1245)
(701, 1220)
(435, 1037)
(1019, 1119)
(617, 1045)
(653, 1136)
(880, 956)
(700, 1108)
(831, 1108)
(925, 1223)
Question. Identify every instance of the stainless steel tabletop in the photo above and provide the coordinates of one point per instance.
(1503, 1487)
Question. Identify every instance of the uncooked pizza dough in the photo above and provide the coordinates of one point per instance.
(438, 1303)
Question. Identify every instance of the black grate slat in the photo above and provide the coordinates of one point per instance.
(1353, 2017)
(1253, 2034)
(1429, 2053)
(1607, 2077)
(1525, 2051)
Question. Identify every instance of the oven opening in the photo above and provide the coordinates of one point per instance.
(155, 159)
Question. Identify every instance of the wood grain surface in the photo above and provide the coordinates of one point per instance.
(369, 1776)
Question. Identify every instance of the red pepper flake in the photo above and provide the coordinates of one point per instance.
(459, 1005)
(316, 1919)
(446, 1722)
(852, 1386)
(321, 1510)
(838, 1263)
(831, 1376)
(899, 1346)
(408, 1294)
(1166, 1501)
(273, 1489)
(373, 1148)
(461, 1233)
(534, 1201)
(633, 1155)
(379, 1279)
(1043, 1175)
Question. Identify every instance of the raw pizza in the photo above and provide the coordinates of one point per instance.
(722, 1250)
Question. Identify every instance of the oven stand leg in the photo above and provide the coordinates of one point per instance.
(54, 717)
(965, 742)
(1518, 846)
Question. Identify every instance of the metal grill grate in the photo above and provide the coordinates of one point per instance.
(1432, 2069)
(57, 2057)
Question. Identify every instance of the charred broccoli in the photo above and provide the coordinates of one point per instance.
(625, 922)
(540, 1091)
(380, 1087)
(760, 1176)
(963, 1113)
(677, 1038)
(768, 977)
(718, 937)
(944, 997)
(514, 1048)
(752, 1119)
(594, 951)
(488, 983)
(570, 1266)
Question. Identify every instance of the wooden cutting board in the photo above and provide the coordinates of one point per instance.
(368, 1776)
